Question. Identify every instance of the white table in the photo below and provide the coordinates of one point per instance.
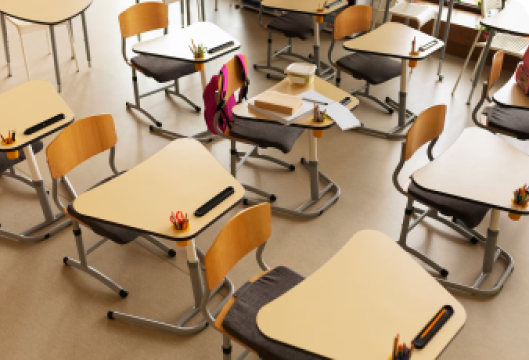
(481, 168)
(45, 12)
(356, 303)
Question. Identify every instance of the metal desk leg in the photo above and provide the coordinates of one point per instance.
(6, 43)
(55, 59)
(178, 328)
(202, 10)
(188, 5)
(477, 75)
(386, 11)
(445, 37)
(49, 218)
(317, 44)
(86, 42)
(492, 253)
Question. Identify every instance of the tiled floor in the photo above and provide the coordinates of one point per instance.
(49, 311)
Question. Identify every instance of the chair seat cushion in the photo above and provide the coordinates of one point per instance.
(240, 321)
(512, 120)
(374, 69)
(469, 213)
(293, 25)
(6, 163)
(162, 69)
(266, 134)
(118, 234)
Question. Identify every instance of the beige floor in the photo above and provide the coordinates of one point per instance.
(49, 311)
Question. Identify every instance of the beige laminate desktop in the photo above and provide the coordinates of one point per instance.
(511, 95)
(356, 303)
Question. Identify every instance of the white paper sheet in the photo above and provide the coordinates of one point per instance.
(344, 118)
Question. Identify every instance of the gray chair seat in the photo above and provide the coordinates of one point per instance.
(470, 214)
(512, 120)
(240, 321)
(115, 233)
(293, 25)
(162, 69)
(6, 164)
(374, 69)
(266, 134)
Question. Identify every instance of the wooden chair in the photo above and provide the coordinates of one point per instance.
(248, 230)
(25, 27)
(256, 134)
(465, 216)
(77, 143)
(407, 9)
(499, 119)
(182, 10)
(142, 18)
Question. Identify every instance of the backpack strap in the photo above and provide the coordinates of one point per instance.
(243, 93)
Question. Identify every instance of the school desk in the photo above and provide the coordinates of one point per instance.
(394, 40)
(332, 92)
(187, 176)
(48, 12)
(480, 167)
(511, 95)
(357, 302)
(20, 108)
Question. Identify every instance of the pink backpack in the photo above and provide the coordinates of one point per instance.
(210, 98)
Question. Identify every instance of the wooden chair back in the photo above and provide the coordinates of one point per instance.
(246, 231)
(235, 77)
(143, 17)
(352, 20)
(80, 141)
(428, 126)
(495, 70)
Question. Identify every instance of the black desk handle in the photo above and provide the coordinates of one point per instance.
(211, 204)
(44, 124)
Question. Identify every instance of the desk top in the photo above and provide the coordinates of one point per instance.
(181, 177)
(393, 40)
(285, 86)
(511, 95)
(305, 6)
(479, 167)
(27, 105)
(512, 19)
(355, 304)
(176, 44)
(48, 12)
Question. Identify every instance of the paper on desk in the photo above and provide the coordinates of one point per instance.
(314, 95)
(341, 115)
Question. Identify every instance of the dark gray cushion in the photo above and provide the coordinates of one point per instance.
(5, 163)
(512, 120)
(469, 213)
(240, 321)
(118, 234)
(374, 69)
(266, 134)
(162, 69)
(293, 25)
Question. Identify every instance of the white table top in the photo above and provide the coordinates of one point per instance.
(480, 167)
(305, 6)
(511, 95)
(47, 12)
(355, 304)
(393, 40)
(27, 105)
(176, 44)
(181, 177)
(512, 19)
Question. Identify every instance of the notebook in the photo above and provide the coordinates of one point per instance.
(278, 102)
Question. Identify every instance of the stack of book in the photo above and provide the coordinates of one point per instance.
(281, 107)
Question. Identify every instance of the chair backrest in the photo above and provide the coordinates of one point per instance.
(236, 79)
(80, 141)
(352, 20)
(495, 70)
(246, 231)
(488, 5)
(428, 126)
(143, 17)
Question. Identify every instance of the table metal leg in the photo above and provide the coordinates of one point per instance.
(6, 43)
(202, 10)
(55, 58)
(179, 327)
(484, 54)
(188, 5)
(317, 45)
(86, 41)
(445, 37)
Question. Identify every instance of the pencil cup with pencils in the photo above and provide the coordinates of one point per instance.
(180, 221)
(413, 63)
(319, 117)
(198, 51)
(401, 352)
(9, 140)
(520, 199)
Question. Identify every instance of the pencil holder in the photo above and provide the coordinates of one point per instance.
(11, 155)
(320, 10)
(317, 133)
(319, 18)
(515, 216)
(179, 221)
(413, 63)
